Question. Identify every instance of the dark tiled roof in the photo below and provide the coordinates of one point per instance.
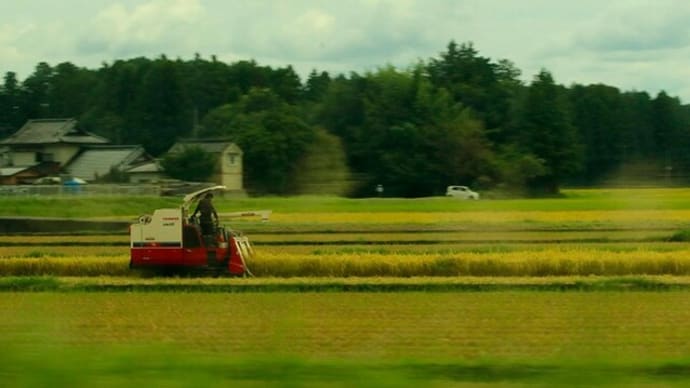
(51, 131)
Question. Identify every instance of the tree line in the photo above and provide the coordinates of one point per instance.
(458, 118)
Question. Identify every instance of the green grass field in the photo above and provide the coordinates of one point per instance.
(588, 289)
(572, 200)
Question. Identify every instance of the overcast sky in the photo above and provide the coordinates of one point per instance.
(631, 44)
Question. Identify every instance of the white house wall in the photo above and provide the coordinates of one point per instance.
(231, 168)
(62, 153)
(23, 158)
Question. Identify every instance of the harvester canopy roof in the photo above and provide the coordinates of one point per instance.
(195, 196)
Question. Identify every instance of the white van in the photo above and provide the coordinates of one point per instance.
(462, 192)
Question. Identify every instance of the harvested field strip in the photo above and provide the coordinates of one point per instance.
(546, 262)
(439, 237)
(472, 247)
(383, 249)
(427, 284)
(335, 238)
(64, 251)
(650, 218)
(383, 228)
(63, 239)
(64, 243)
(76, 266)
(621, 326)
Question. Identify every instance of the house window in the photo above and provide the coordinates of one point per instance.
(43, 157)
(232, 158)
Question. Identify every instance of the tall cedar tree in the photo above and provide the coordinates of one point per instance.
(545, 131)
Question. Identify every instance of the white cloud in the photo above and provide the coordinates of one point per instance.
(639, 27)
(340, 36)
(10, 34)
(157, 25)
(626, 43)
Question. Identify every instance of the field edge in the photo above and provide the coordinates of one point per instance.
(363, 284)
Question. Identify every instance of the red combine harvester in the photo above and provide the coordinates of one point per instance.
(171, 240)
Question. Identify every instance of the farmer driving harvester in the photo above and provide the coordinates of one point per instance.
(172, 239)
(208, 215)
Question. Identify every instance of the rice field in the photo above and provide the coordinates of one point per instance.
(440, 326)
(589, 289)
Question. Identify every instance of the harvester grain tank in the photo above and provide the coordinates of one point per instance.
(171, 239)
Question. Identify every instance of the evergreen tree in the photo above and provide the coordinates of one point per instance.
(12, 114)
(163, 115)
(475, 82)
(36, 92)
(596, 111)
(545, 131)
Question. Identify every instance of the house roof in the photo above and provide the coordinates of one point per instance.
(96, 161)
(147, 167)
(51, 131)
(10, 171)
(208, 145)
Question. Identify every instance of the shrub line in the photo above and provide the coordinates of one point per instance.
(55, 284)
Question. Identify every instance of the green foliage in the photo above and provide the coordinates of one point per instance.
(446, 120)
(545, 130)
(680, 236)
(517, 169)
(596, 111)
(474, 81)
(29, 283)
(162, 112)
(323, 168)
(406, 135)
(114, 175)
(330, 284)
(270, 132)
(190, 164)
(103, 363)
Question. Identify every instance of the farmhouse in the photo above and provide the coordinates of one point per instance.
(48, 147)
(42, 147)
(45, 147)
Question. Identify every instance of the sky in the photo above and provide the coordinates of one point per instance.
(638, 45)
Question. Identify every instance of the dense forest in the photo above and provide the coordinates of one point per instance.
(459, 118)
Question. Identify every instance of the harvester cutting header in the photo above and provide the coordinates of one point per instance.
(174, 239)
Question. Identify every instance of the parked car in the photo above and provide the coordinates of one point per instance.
(462, 192)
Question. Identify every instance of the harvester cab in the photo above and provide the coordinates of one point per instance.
(172, 239)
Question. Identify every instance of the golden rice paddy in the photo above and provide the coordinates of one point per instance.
(553, 261)
(636, 217)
